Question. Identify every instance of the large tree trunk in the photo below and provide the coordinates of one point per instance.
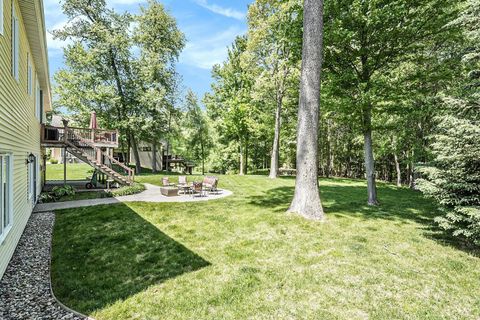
(276, 141)
(306, 200)
(242, 163)
(369, 160)
(167, 160)
(154, 157)
(328, 169)
(246, 155)
(203, 156)
(129, 148)
(397, 169)
(136, 155)
(412, 172)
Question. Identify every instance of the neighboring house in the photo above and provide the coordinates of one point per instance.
(24, 99)
(147, 153)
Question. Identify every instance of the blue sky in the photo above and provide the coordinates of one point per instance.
(209, 26)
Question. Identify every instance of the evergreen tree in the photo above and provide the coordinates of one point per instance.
(453, 178)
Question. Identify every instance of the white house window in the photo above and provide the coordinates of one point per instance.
(38, 98)
(15, 43)
(1, 17)
(6, 195)
(29, 76)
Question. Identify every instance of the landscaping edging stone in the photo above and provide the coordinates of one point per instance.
(25, 288)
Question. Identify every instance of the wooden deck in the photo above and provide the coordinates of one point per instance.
(54, 137)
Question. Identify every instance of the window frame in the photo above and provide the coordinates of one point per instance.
(15, 44)
(38, 100)
(5, 229)
(29, 75)
(2, 17)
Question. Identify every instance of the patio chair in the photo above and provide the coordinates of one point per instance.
(210, 184)
(166, 182)
(182, 180)
(183, 185)
(197, 187)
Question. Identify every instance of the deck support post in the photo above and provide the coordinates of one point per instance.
(65, 139)
(65, 166)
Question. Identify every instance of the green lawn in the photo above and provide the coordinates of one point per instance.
(243, 257)
(75, 171)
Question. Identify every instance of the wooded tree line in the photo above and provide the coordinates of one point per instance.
(399, 97)
(399, 92)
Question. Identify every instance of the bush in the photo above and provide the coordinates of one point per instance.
(57, 193)
(46, 197)
(127, 190)
(53, 161)
(61, 191)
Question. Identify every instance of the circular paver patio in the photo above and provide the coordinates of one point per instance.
(151, 194)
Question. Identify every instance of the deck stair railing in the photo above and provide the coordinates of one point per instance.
(86, 144)
(85, 149)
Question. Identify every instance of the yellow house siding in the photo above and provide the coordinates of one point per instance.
(19, 128)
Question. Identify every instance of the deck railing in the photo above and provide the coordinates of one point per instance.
(77, 141)
(56, 135)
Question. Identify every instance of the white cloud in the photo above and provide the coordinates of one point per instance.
(227, 12)
(205, 52)
(56, 44)
(124, 2)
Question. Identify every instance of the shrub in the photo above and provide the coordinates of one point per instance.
(61, 191)
(56, 194)
(127, 190)
(46, 197)
(53, 161)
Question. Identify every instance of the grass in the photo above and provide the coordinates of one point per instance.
(75, 171)
(243, 257)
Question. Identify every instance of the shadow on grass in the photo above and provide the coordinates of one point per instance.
(396, 204)
(102, 256)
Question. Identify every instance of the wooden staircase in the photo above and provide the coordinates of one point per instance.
(86, 151)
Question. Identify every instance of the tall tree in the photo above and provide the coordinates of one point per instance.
(306, 200)
(197, 133)
(229, 104)
(121, 71)
(274, 49)
(366, 40)
(453, 177)
(159, 42)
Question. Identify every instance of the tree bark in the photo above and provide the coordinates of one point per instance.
(154, 157)
(276, 140)
(397, 169)
(328, 169)
(203, 155)
(412, 172)
(369, 160)
(136, 155)
(241, 172)
(129, 148)
(306, 200)
(246, 154)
